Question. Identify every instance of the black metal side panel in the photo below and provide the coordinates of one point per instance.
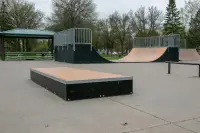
(69, 54)
(61, 54)
(56, 53)
(100, 89)
(83, 54)
(54, 86)
(174, 54)
(64, 54)
(171, 54)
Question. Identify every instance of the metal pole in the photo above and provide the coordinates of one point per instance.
(73, 39)
(185, 44)
(169, 68)
(199, 71)
(91, 40)
(159, 41)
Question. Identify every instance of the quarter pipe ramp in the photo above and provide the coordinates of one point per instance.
(151, 55)
(188, 55)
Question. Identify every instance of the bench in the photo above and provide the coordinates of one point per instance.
(181, 63)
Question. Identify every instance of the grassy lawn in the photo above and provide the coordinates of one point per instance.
(111, 57)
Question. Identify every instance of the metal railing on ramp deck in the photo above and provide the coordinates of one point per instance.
(157, 41)
(73, 37)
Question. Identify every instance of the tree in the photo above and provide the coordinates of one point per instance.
(4, 21)
(188, 11)
(154, 20)
(139, 20)
(104, 35)
(121, 26)
(194, 32)
(22, 14)
(72, 13)
(146, 23)
(172, 23)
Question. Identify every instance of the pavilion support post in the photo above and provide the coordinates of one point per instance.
(2, 48)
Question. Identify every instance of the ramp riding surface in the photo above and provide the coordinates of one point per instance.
(188, 54)
(151, 55)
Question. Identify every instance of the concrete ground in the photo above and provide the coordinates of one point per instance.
(161, 103)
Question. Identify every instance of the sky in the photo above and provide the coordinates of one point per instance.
(106, 7)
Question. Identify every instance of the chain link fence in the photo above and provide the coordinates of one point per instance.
(157, 41)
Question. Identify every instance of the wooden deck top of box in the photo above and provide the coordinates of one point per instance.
(71, 75)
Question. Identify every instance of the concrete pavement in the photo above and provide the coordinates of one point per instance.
(161, 103)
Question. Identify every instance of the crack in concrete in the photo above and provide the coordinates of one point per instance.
(150, 127)
(184, 128)
(196, 118)
(140, 111)
(168, 122)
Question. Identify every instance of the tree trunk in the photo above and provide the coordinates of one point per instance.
(127, 49)
(96, 45)
(122, 49)
(107, 49)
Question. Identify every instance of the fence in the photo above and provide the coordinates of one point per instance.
(157, 41)
(183, 43)
(73, 36)
(29, 56)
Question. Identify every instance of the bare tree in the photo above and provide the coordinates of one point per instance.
(139, 20)
(104, 35)
(189, 11)
(72, 13)
(146, 23)
(121, 26)
(154, 18)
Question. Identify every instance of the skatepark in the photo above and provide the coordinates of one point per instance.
(136, 95)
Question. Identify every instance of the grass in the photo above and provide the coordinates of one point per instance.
(112, 57)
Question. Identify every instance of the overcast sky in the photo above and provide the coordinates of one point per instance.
(106, 7)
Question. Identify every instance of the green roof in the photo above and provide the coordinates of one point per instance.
(32, 33)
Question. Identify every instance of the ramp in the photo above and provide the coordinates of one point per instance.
(188, 54)
(75, 84)
(75, 46)
(84, 54)
(151, 55)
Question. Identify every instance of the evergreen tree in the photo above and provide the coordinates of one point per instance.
(173, 23)
(194, 32)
